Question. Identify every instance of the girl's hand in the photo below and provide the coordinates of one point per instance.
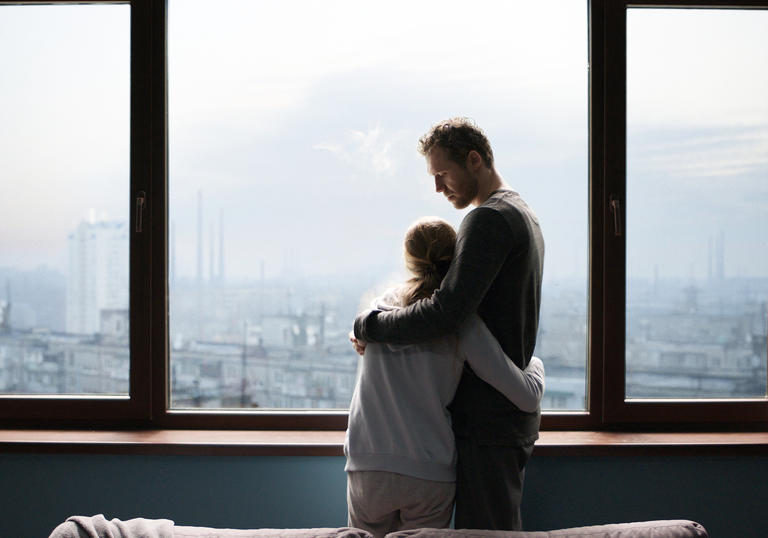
(359, 345)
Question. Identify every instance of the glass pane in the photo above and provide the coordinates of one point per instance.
(64, 153)
(697, 195)
(294, 175)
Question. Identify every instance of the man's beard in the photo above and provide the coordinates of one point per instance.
(465, 198)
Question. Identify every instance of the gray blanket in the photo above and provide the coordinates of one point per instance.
(98, 527)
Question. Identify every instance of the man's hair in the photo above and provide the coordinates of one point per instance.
(458, 136)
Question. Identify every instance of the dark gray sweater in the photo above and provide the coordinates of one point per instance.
(497, 272)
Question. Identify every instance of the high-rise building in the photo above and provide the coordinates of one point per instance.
(98, 274)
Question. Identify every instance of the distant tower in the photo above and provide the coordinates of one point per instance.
(211, 256)
(221, 245)
(720, 256)
(199, 265)
(199, 238)
(98, 274)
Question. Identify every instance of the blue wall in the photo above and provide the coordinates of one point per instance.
(726, 494)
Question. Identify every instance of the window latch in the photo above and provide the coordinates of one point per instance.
(141, 203)
(615, 206)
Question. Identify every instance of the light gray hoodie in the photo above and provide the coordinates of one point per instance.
(398, 421)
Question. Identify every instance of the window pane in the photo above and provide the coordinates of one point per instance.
(697, 195)
(294, 175)
(64, 152)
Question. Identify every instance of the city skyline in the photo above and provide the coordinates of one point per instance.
(681, 342)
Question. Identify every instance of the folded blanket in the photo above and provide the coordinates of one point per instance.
(98, 527)
(205, 532)
(673, 528)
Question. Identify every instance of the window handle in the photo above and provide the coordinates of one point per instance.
(615, 206)
(141, 203)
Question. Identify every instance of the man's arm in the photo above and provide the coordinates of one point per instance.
(484, 242)
(524, 388)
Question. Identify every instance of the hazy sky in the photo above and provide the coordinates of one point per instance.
(64, 120)
(310, 149)
(697, 141)
(298, 122)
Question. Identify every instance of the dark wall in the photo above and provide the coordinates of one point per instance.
(725, 494)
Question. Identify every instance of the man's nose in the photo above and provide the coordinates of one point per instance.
(439, 185)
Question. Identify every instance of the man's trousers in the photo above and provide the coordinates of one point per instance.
(489, 485)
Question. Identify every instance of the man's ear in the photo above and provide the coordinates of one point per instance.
(474, 160)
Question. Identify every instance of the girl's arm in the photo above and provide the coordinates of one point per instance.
(524, 388)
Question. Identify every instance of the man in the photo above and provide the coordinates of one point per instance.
(496, 271)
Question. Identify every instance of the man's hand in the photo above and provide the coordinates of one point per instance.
(359, 345)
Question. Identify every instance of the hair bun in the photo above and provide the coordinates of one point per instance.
(429, 246)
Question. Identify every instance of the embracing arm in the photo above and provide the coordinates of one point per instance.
(524, 388)
(484, 242)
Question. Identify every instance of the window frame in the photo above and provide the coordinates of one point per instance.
(619, 411)
(149, 393)
(36, 410)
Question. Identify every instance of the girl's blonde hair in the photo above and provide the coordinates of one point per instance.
(429, 246)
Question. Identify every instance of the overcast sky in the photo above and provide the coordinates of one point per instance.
(298, 123)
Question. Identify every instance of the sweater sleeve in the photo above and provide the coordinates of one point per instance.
(524, 388)
(484, 242)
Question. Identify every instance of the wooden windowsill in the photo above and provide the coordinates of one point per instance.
(329, 443)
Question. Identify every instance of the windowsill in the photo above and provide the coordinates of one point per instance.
(329, 443)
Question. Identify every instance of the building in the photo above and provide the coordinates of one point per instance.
(98, 274)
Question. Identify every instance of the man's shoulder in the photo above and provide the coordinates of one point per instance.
(502, 207)
(508, 201)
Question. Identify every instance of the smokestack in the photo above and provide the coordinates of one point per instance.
(221, 245)
(720, 256)
(211, 256)
(199, 237)
(199, 266)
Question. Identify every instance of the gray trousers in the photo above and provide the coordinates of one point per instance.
(382, 502)
(489, 485)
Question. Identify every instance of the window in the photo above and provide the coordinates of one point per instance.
(64, 263)
(262, 144)
(697, 262)
(694, 318)
(65, 241)
(293, 177)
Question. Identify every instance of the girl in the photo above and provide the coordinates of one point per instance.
(399, 444)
